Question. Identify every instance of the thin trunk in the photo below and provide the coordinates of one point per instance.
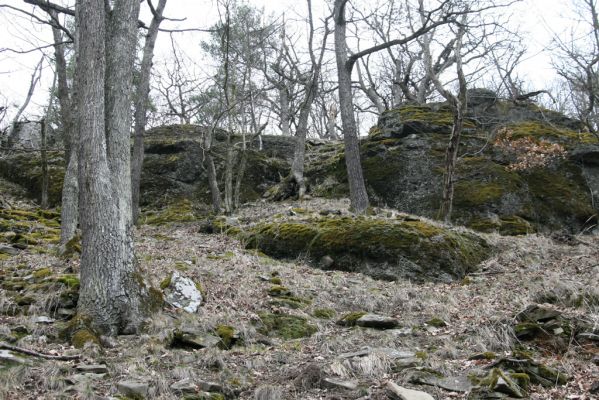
(357, 188)
(141, 105)
(451, 156)
(69, 211)
(229, 160)
(285, 114)
(35, 78)
(239, 179)
(112, 292)
(44, 156)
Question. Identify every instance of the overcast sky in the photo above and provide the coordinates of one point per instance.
(537, 17)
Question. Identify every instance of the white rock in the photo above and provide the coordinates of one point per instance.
(183, 293)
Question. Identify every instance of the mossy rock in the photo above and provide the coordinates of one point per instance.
(324, 313)
(285, 326)
(386, 249)
(227, 335)
(351, 319)
(79, 332)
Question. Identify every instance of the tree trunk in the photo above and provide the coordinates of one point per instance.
(451, 156)
(69, 211)
(299, 154)
(141, 103)
(44, 160)
(211, 171)
(229, 161)
(285, 115)
(357, 188)
(112, 292)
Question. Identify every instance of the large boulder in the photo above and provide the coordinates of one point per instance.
(403, 160)
(383, 248)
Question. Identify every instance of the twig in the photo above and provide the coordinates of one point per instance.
(7, 346)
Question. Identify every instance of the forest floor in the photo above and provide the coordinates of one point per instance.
(455, 329)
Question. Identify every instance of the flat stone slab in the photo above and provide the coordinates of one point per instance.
(7, 357)
(453, 384)
(397, 392)
(184, 386)
(135, 389)
(333, 383)
(377, 321)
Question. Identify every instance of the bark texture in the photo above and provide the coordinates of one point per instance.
(112, 291)
(357, 188)
(69, 211)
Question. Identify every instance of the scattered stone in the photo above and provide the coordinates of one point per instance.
(134, 389)
(397, 392)
(326, 262)
(182, 292)
(453, 384)
(11, 251)
(191, 338)
(268, 392)
(83, 378)
(377, 322)
(43, 320)
(536, 372)
(332, 383)
(594, 388)
(595, 360)
(9, 358)
(507, 386)
(184, 386)
(537, 313)
(210, 387)
(92, 368)
(588, 336)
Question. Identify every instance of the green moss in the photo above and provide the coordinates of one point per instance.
(423, 355)
(351, 241)
(181, 266)
(285, 326)
(278, 291)
(275, 280)
(509, 225)
(351, 319)
(82, 337)
(226, 333)
(42, 273)
(293, 302)
(436, 322)
(543, 131)
(70, 280)
(166, 282)
(79, 331)
(324, 313)
(180, 211)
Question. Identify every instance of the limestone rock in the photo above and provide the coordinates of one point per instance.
(453, 384)
(183, 293)
(184, 386)
(377, 322)
(397, 392)
(133, 388)
(188, 337)
(333, 383)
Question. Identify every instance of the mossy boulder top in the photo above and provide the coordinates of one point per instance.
(403, 160)
(394, 248)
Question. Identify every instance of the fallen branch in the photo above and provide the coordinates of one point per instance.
(33, 353)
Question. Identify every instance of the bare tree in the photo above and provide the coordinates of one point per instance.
(112, 292)
(35, 78)
(141, 103)
(577, 62)
(458, 104)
